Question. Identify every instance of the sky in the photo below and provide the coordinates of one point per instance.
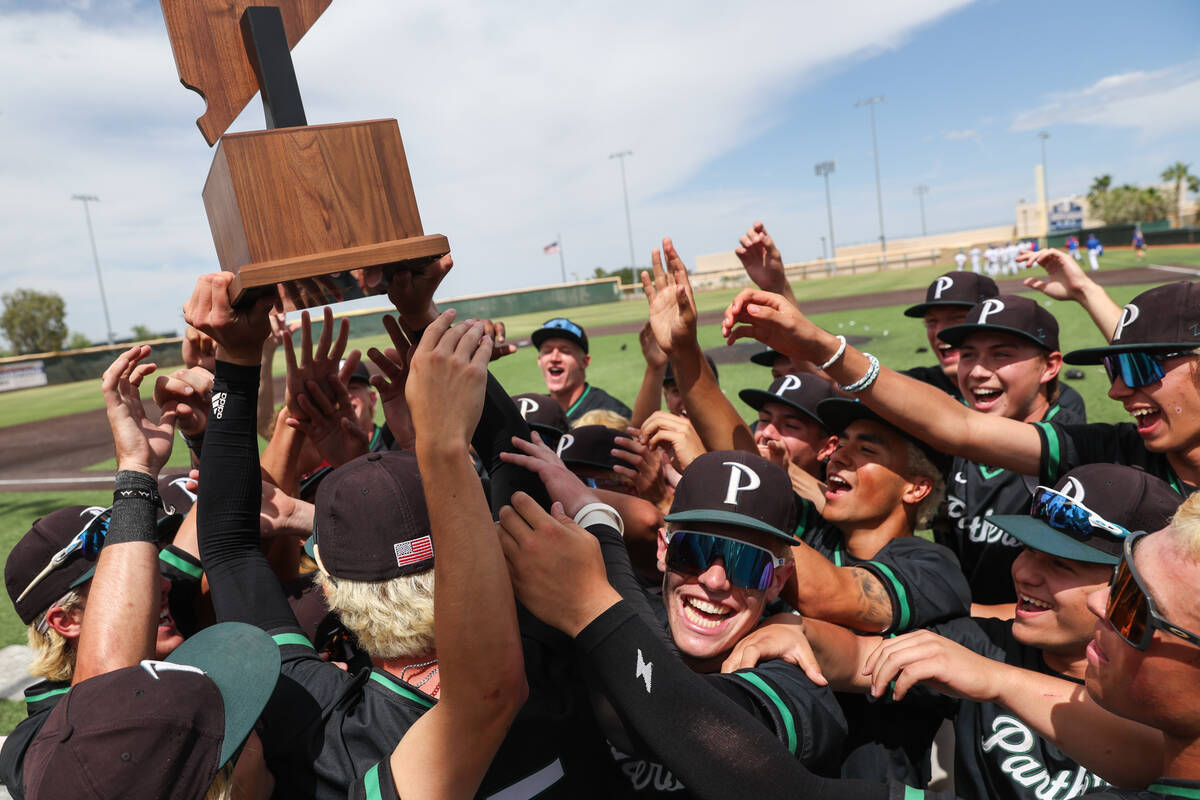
(510, 111)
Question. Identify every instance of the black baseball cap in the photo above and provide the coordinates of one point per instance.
(33, 553)
(766, 357)
(837, 413)
(1007, 313)
(1165, 318)
(801, 392)
(1126, 496)
(733, 487)
(669, 375)
(955, 289)
(590, 446)
(158, 729)
(543, 414)
(370, 521)
(560, 328)
(361, 373)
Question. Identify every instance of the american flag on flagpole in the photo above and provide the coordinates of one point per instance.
(550, 248)
(413, 551)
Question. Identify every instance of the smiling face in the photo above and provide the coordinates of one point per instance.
(1157, 685)
(362, 400)
(806, 442)
(1052, 595)
(1003, 374)
(563, 364)
(937, 319)
(706, 613)
(1167, 413)
(866, 477)
(166, 637)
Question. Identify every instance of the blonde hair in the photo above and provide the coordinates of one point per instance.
(1186, 526)
(390, 619)
(221, 787)
(600, 416)
(920, 465)
(53, 653)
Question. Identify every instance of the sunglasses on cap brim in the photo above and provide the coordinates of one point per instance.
(1131, 611)
(90, 539)
(1138, 368)
(564, 325)
(1070, 516)
(747, 566)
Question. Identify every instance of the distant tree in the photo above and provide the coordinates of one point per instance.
(34, 322)
(78, 341)
(1130, 203)
(1100, 186)
(1179, 174)
(624, 273)
(141, 333)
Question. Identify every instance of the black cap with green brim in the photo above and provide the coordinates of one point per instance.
(1163, 319)
(1125, 496)
(801, 392)
(838, 412)
(739, 489)
(765, 358)
(955, 289)
(1011, 314)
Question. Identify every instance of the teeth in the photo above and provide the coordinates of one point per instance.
(1030, 601)
(707, 607)
(987, 394)
(1142, 412)
(836, 483)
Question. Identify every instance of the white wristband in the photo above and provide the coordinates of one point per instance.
(594, 513)
(833, 358)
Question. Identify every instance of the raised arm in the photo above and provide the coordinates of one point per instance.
(920, 409)
(1066, 280)
(649, 397)
(478, 642)
(763, 262)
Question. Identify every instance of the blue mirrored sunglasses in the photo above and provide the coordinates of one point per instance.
(746, 565)
(1138, 368)
(89, 540)
(1070, 516)
(562, 324)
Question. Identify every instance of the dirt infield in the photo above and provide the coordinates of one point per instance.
(52, 454)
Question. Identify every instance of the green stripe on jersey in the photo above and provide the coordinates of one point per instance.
(901, 596)
(403, 691)
(789, 723)
(586, 391)
(371, 784)
(46, 695)
(293, 638)
(1174, 791)
(186, 567)
(1053, 450)
(913, 794)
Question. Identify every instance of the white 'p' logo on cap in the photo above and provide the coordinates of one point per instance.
(990, 306)
(1128, 315)
(790, 382)
(527, 405)
(1073, 490)
(735, 484)
(940, 285)
(563, 443)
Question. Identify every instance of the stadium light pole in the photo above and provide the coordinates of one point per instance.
(824, 168)
(870, 103)
(1044, 135)
(625, 192)
(920, 191)
(85, 199)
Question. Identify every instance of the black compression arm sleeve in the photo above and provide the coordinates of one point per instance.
(622, 578)
(244, 589)
(499, 422)
(703, 737)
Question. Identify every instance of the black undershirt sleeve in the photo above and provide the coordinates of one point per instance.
(706, 739)
(499, 422)
(243, 587)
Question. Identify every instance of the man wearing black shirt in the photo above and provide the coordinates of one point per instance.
(563, 359)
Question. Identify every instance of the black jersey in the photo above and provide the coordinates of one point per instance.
(1162, 789)
(596, 399)
(1065, 447)
(975, 492)
(997, 756)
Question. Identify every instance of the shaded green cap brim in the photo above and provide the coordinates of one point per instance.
(956, 334)
(757, 398)
(730, 518)
(764, 358)
(1040, 536)
(919, 309)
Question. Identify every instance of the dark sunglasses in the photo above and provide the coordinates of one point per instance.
(1131, 611)
(1138, 368)
(747, 566)
(89, 540)
(1070, 516)
(559, 323)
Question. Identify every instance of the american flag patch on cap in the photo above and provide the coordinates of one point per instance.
(414, 550)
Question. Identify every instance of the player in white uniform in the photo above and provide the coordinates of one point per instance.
(974, 259)
(960, 259)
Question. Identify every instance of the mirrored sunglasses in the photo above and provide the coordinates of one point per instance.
(1070, 516)
(90, 539)
(1131, 611)
(746, 565)
(562, 324)
(1138, 368)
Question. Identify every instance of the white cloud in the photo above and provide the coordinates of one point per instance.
(1154, 103)
(508, 115)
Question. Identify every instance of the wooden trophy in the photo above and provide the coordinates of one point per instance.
(319, 213)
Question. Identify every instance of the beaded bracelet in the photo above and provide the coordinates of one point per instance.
(866, 380)
(833, 359)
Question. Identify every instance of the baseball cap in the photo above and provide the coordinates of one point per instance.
(561, 328)
(765, 357)
(669, 375)
(370, 521)
(543, 414)
(733, 487)
(837, 413)
(955, 289)
(1007, 313)
(34, 552)
(1165, 318)
(1126, 496)
(590, 446)
(802, 393)
(361, 372)
(160, 728)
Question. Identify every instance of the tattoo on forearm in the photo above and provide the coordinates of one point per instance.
(874, 604)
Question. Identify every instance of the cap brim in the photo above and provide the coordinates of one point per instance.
(1095, 355)
(757, 398)
(1040, 536)
(542, 334)
(920, 308)
(955, 334)
(837, 413)
(730, 518)
(764, 358)
(243, 661)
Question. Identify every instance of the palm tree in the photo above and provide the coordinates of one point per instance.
(1178, 172)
